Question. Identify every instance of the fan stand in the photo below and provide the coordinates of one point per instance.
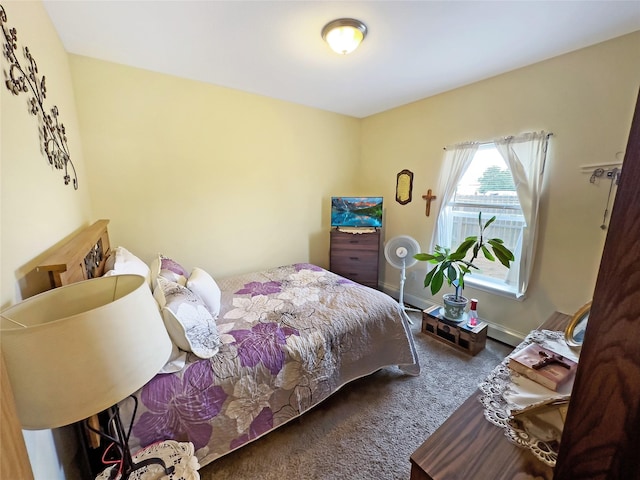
(396, 251)
(404, 308)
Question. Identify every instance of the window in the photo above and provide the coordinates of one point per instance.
(487, 186)
(501, 178)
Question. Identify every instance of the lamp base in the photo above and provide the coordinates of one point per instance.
(119, 438)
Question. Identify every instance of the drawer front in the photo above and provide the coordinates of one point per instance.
(355, 269)
(369, 278)
(353, 257)
(359, 267)
(353, 241)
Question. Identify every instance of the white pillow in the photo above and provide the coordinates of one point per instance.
(168, 268)
(127, 263)
(158, 294)
(188, 322)
(203, 285)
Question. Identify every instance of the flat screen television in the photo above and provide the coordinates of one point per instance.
(356, 212)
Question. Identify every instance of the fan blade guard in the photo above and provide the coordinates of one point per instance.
(399, 251)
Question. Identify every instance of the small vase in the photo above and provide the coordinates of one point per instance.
(454, 308)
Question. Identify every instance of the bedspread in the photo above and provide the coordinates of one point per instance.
(291, 336)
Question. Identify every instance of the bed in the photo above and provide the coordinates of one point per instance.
(257, 350)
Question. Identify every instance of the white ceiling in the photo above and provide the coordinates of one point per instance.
(414, 49)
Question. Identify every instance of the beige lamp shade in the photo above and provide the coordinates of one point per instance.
(75, 351)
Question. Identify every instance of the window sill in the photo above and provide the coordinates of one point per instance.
(489, 285)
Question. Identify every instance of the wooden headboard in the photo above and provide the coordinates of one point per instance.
(82, 257)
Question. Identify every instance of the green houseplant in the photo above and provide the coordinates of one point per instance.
(452, 266)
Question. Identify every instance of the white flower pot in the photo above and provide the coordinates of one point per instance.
(454, 309)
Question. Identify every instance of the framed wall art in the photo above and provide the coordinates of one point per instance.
(404, 187)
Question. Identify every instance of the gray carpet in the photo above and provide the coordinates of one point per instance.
(369, 428)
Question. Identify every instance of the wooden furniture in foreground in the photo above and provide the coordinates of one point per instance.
(466, 339)
(14, 460)
(356, 256)
(602, 432)
(467, 446)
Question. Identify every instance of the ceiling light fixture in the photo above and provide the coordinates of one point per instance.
(344, 35)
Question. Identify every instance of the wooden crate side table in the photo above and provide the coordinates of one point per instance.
(467, 339)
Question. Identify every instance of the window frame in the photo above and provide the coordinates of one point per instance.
(479, 280)
(525, 156)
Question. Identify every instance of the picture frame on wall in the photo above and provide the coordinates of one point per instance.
(404, 186)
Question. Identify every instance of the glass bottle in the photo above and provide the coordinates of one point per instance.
(473, 313)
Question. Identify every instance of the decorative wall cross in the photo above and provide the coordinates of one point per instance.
(428, 197)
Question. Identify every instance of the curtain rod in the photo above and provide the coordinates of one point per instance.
(489, 142)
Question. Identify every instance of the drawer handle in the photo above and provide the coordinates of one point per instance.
(354, 258)
(354, 241)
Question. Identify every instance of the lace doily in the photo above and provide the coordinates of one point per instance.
(178, 454)
(505, 390)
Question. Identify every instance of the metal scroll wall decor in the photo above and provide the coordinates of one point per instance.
(19, 79)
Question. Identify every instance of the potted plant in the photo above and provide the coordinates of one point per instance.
(452, 266)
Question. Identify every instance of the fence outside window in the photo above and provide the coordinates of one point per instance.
(508, 225)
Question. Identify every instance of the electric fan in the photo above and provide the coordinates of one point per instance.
(399, 252)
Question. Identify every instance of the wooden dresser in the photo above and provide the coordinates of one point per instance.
(467, 446)
(356, 256)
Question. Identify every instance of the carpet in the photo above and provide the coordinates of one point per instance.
(369, 428)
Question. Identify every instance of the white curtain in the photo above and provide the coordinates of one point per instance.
(456, 161)
(525, 155)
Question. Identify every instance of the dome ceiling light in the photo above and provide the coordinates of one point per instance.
(344, 35)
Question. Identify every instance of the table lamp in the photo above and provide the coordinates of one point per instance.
(78, 350)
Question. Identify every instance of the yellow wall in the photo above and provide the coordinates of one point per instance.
(232, 182)
(585, 98)
(213, 177)
(37, 210)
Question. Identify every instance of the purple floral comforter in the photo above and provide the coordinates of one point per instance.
(291, 337)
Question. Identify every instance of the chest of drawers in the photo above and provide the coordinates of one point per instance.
(356, 256)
